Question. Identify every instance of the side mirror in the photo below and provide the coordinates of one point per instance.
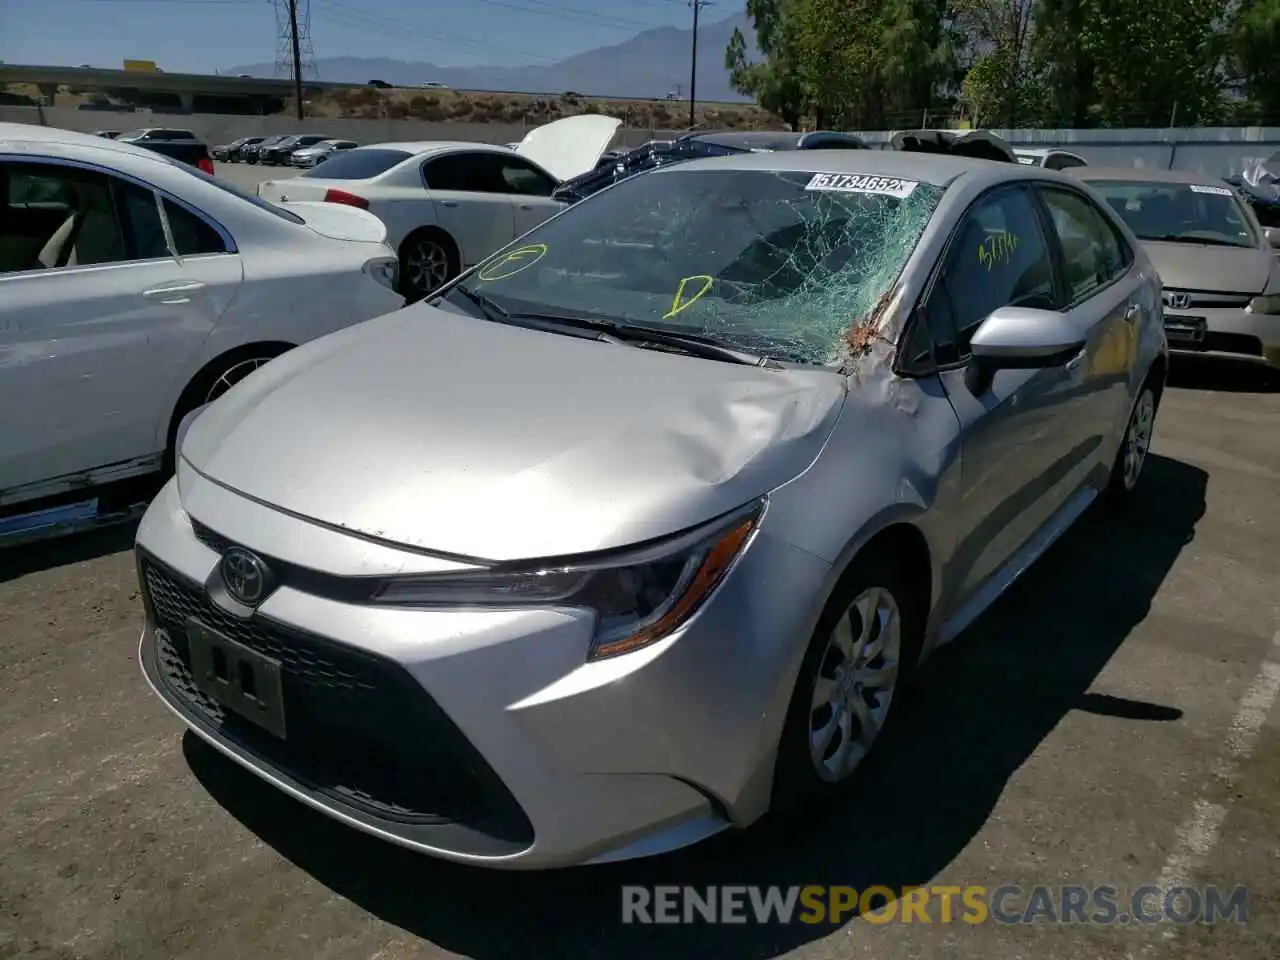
(1272, 235)
(1021, 338)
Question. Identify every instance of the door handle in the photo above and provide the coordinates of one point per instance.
(448, 203)
(1131, 315)
(180, 292)
(526, 206)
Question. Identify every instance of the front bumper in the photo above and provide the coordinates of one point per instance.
(481, 736)
(1231, 333)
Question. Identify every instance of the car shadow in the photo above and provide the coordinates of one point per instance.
(1222, 376)
(19, 561)
(982, 707)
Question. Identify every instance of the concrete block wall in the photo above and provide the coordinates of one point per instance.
(215, 128)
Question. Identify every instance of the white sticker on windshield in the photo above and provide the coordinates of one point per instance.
(1216, 191)
(857, 183)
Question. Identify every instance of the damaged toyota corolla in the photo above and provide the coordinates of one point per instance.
(638, 529)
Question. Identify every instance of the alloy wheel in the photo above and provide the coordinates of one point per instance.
(426, 265)
(856, 678)
(1137, 439)
(231, 376)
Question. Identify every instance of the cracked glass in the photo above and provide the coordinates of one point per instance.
(781, 264)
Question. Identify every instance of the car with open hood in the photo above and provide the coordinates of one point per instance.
(640, 527)
(1217, 262)
(134, 288)
(449, 204)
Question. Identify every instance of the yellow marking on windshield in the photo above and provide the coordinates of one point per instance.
(998, 248)
(680, 303)
(517, 260)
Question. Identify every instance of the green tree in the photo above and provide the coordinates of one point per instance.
(1004, 85)
(1155, 62)
(773, 82)
(1255, 43)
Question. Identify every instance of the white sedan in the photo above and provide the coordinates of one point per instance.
(134, 289)
(448, 205)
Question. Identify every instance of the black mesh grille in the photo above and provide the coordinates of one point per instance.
(360, 729)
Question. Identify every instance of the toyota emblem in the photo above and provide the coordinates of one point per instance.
(245, 576)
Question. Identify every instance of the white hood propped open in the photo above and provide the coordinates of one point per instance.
(569, 147)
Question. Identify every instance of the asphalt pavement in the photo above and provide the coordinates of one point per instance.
(248, 175)
(1110, 721)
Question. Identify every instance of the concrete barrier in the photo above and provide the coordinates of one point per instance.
(218, 128)
(1217, 151)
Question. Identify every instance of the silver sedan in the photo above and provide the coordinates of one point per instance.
(638, 529)
(1217, 263)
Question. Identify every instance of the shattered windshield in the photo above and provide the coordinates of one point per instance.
(780, 264)
(1179, 212)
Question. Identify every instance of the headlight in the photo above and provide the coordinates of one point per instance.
(384, 270)
(638, 597)
(1269, 305)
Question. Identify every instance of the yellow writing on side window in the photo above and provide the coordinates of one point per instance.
(998, 248)
(511, 263)
(683, 299)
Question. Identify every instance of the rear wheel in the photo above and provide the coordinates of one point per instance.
(1132, 456)
(428, 260)
(212, 382)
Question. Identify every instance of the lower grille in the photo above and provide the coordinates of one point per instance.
(361, 730)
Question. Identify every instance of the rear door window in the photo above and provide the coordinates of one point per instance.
(466, 173)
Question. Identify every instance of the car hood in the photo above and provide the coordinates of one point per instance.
(571, 146)
(1193, 266)
(451, 434)
(339, 221)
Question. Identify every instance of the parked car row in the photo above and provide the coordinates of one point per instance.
(299, 150)
(181, 145)
(771, 425)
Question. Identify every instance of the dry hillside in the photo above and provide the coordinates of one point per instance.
(531, 109)
(478, 107)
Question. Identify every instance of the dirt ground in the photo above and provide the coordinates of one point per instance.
(1110, 721)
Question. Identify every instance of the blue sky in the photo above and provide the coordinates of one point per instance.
(201, 36)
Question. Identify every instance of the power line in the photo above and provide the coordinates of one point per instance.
(341, 14)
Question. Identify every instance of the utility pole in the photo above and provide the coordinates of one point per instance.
(297, 57)
(693, 64)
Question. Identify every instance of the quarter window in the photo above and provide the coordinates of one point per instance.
(520, 177)
(191, 235)
(1092, 256)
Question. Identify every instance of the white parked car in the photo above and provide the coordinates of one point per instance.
(448, 205)
(1050, 158)
(134, 289)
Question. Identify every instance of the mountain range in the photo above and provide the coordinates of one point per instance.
(649, 65)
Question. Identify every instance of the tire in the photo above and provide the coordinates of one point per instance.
(1126, 472)
(212, 383)
(428, 260)
(807, 777)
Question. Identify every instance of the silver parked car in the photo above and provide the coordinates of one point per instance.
(1218, 265)
(638, 528)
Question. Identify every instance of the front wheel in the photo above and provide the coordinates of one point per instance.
(862, 654)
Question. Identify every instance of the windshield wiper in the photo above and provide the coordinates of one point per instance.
(613, 332)
(691, 343)
(488, 308)
(1204, 241)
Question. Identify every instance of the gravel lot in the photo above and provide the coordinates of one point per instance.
(1109, 722)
